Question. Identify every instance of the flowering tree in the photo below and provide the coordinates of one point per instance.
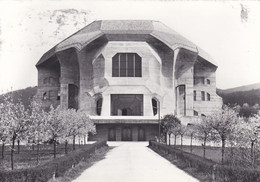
(169, 122)
(16, 124)
(3, 124)
(204, 131)
(222, 122)
(55, 126)
(37, 130)
(182, 130)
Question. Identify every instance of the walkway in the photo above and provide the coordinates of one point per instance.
(133, 162)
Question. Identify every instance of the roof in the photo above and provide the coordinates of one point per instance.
(146, 27)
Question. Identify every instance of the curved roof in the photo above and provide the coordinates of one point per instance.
(141, 27)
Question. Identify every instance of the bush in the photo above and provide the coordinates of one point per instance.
(221, 172)
(56, 167)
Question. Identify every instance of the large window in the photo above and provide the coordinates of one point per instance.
(155, 106)
(126, 65)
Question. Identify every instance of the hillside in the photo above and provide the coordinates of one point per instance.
(25, 95)
(242, 88)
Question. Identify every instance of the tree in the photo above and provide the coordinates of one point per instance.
(16, 118)
(191, 128)
(222, 122)
(3, 124)
(204, 131)
(250, 130)
(37, 130)
(55, 126)
(169, 122)
(182, 130)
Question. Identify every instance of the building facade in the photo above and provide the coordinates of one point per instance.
(126, 75)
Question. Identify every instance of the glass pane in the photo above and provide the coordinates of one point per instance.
(122, 65)
(115, 66)
(138, 66)
(130, 65)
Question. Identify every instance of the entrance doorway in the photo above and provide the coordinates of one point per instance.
(141, 134)
(112, 134)
(127, 134)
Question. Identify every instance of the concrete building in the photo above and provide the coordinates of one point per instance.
(126, 74)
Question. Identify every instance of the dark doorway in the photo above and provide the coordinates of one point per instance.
(127, 134)
(141, 134)
(112, 134)
(73, 97)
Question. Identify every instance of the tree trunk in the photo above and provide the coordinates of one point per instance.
(12, 152)
(252, 152)
(191, 142)
(74, 138)
(169, 139)
(79, 141)
(3, 150)
(181, 141)
(33, 145)
(223, 150)
(38, 148)
(84, 139)
(204, 147)
(175, 137)
(54, 147)
(66, 146)
(18, 143)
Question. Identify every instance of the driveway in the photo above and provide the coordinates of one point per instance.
(133, 162)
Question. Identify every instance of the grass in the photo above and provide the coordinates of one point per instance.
(75, 172)
(213, 153)
(28, 157)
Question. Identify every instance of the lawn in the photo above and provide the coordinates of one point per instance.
(28, 157)
(213, 153)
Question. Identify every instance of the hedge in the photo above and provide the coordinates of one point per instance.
(54, 168)
(218, 171)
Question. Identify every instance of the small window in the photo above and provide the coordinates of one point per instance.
(99, 106)
(202, 80)
(58, 95)
(208, 96)
(203, 115)
(195, 113)
(155, 106)
(194, 95)
(208, 81)
(202, 95)
(44, 97)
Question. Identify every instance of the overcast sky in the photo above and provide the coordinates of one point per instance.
(228, 31)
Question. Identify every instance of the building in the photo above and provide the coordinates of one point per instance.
(126, 74)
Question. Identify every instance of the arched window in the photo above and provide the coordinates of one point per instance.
(195, 113)
(155, 106)
(126, 65)
(44, 96)
(99, 106)
(208, 81)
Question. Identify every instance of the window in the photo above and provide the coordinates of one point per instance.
(202, 80)
(208, 96)
(44, 97)
(126, 65)
(194, 95)
(202, 95)
(208, 81)
(58, 95)
(99, 106)
(195, 113)
(203, 115)
(155, 106)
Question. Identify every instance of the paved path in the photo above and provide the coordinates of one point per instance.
(133, 162)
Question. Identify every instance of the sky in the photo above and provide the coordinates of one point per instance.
(227, 30)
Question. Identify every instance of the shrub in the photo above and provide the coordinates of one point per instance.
(221, 172)
(56, 167)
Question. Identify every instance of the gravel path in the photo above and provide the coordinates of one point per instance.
(133, 162)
